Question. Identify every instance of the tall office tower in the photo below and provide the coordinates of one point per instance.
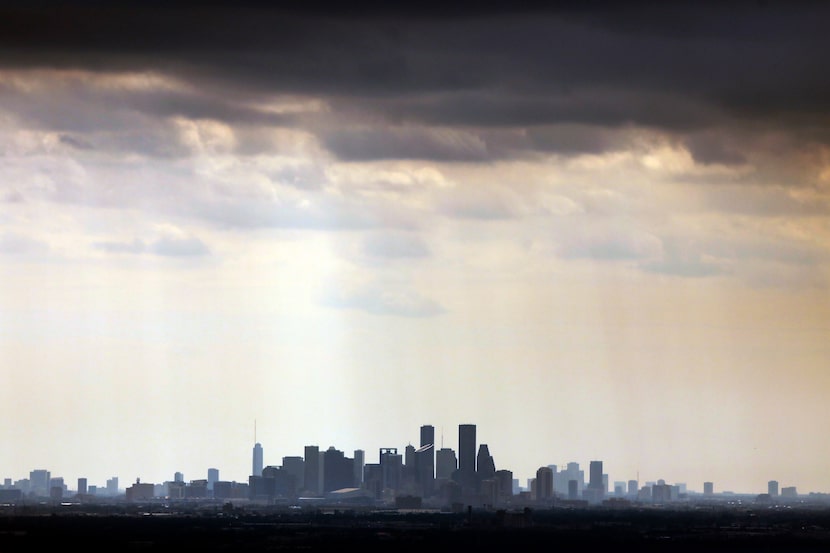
(256, 469)
(112, 486)
(772, 488)
(56, 488)
(572, 472)
(544, 484)
(81, 486)
(311, 456)
(428, 438)
(660, 492)
(633, 488)
(425, 461)
(445, 463)
(504, 483)
(424, 475)
(295, 466)
(391, 467)
(212, 478)
(595, 480)
(359, 463)
(39, 482)
(409, 469)
(708, 488)
(427, 435)
(178, 477)
(467, 455)
(573, 489)
(57, 482)
(338, 470)
(486, 467)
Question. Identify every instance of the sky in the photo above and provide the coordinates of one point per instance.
(597, 232)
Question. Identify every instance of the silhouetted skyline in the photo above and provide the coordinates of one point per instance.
(412, 474)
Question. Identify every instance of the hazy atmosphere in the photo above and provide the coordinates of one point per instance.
(596, 233)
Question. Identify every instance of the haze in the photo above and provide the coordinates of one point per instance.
(596, 233)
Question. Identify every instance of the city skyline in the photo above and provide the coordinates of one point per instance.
(597, 230)
(594, 478)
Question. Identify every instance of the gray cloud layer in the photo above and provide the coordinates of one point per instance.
(677, 67)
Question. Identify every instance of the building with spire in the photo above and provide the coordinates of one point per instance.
(256, 469)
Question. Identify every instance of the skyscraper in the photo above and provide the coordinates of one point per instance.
(467, 455)
(596, 483)
(467, 447)
(212, 478)
(391, 466)
(445, 463)
(295, 466)
(772, 488)
(485, 466)
(428, 438)
(544, 483)
(425, 461)
(562, 477)
(112, 486)
(595, 476)
(312, 469)
(359, 462)
(424, 475)
(338, 470)
(39, 481)
(257, 464)
(409, 462)
(573, 489)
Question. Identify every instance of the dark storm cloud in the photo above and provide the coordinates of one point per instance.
(573, 139)
(714, 148)
(677, 67)
(74, 104)
(198, 106)
(404, 143)
(768, 51)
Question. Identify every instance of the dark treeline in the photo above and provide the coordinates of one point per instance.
(234, 529)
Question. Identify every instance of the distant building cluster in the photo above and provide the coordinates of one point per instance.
(415, 478)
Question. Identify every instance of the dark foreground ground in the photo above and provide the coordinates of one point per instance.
(585, 530)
